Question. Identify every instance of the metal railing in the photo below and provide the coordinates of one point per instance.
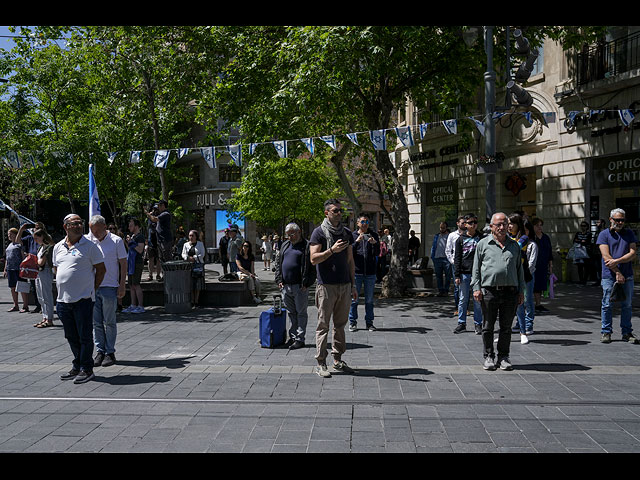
(608, 59)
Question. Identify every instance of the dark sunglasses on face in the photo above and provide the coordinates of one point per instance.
(336, 210)
(472, 223)
(619, 220)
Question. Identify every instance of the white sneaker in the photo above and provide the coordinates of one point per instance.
(524, 339)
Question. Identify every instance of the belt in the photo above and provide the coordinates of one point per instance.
(501, 287)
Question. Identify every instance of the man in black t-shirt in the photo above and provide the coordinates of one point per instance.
(330, 253)
(163, 230)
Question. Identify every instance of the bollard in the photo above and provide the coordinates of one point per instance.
(177, 286)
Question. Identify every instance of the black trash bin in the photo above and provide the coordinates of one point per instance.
(177, 286)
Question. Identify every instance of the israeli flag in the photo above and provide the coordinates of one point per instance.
(14, 161)
(209, 156)
(379, 139)
(329, 140)
(182, 152)
(161, 158)
(94, 201)
(626, 116)
(549, 117)
(112, 157)
(236, 154)
(572, 118)
(451, 126)
(22, 219)
(135, 157)
(498, 115)
(405, 136)
(309, 143)
(479, 125)
(354, 138)
(423, 127)
(281, 148)
(595, 112)
(252, 148)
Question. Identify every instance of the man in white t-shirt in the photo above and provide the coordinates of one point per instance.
(111, 288)
(79, 268)
(450, 251)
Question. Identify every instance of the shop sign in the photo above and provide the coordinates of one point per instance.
(441, 193)
(210, 199)
(611, 171)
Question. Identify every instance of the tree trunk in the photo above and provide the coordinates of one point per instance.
(156, 130)
(336, 161)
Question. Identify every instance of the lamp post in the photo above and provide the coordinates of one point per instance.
(489, 126)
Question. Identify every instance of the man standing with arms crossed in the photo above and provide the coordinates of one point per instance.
(80, 269)
(111, 288)
(498, 282)
(333, 258)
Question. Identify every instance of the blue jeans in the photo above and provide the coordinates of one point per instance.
(369, 283)
(104, 319)
(296, 301)
(463, 302)
(527, 311)
(625, 307)
(77, 321)
(442, 266)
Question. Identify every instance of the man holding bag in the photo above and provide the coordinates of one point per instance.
(618, 247)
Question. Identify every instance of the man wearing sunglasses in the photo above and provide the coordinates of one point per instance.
(618, 247)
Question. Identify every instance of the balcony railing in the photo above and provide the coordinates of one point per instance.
(608, 59)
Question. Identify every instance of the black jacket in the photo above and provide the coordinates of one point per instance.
(308, 269)
(365, 254)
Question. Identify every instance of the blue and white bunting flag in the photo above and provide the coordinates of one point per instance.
(21, 218)
(281, 148)
(379, 139)
(549, 117)
(353, 137)
(424, 127)
(209, 156)
(479, 125)
(527, 115)
(94, 200)
(135, 157)
(161, 158)
(451, 126)
(498, 115)
(309, 143)
(252, 148)
(112, 157)
(182, 152)
(595, 112)
(626, 116)
(14, 160)
(572, 117)
(329, 140)
(405, 136)
(236, 154)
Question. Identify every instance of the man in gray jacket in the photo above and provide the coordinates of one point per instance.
(294, 275)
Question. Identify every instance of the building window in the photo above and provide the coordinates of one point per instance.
(230, 173)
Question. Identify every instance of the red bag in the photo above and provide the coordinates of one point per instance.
(29, 267)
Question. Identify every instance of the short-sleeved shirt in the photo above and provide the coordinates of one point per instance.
(245, 262)
(335, 269)
(75, 272)
(14, 256)
(619, 243)
(113, 250)
(163, 227)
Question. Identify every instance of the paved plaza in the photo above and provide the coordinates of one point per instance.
(200, 382)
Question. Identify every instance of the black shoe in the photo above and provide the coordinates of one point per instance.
(70, 375)
(99, 358)
(478, 329)
(295, 345)
(109, 359)
(288, 343)
(36, 310)
(84, 377)
(460, 328)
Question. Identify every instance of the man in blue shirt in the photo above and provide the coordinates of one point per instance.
(618, 247)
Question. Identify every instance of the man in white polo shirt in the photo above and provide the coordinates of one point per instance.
(79, 266)
(111, 288)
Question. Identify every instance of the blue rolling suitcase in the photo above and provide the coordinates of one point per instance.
(273, 325)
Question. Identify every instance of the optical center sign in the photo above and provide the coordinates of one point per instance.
(611, 171)
(441, 193)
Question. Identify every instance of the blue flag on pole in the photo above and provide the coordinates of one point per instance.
(94, 201)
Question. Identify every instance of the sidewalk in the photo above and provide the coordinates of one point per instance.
(200, 382)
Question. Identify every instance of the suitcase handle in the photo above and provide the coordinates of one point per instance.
(277, 304)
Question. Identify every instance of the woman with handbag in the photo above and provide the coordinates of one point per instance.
(193, 251)
(14, 256)
(44, 280)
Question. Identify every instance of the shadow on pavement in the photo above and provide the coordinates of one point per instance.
(394, 373)
(552, 367)
(167, 363)
(132, 379)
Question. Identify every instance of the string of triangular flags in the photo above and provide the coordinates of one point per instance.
(378, 139)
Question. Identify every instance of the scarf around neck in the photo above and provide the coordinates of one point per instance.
(332, 233)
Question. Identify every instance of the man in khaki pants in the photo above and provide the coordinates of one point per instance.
(336, 285)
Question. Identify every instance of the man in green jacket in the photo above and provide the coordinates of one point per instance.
(498, 283)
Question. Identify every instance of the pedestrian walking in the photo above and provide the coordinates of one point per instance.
(294, 275)
(522, 232)
(497, 282)
(14, 254)
(441, 266)
(245, 262)
(135, 264)
(544, 263)
(366, 249)
(44, 280)
(79, 269)
(450, 251)
(583, 239)
(335, 268)
(618, 248)
(267, 252)
(464, 254)
(193, 252)
(112, 287)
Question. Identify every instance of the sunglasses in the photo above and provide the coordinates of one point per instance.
(336, 210)
(472, 223)
(619, 220)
